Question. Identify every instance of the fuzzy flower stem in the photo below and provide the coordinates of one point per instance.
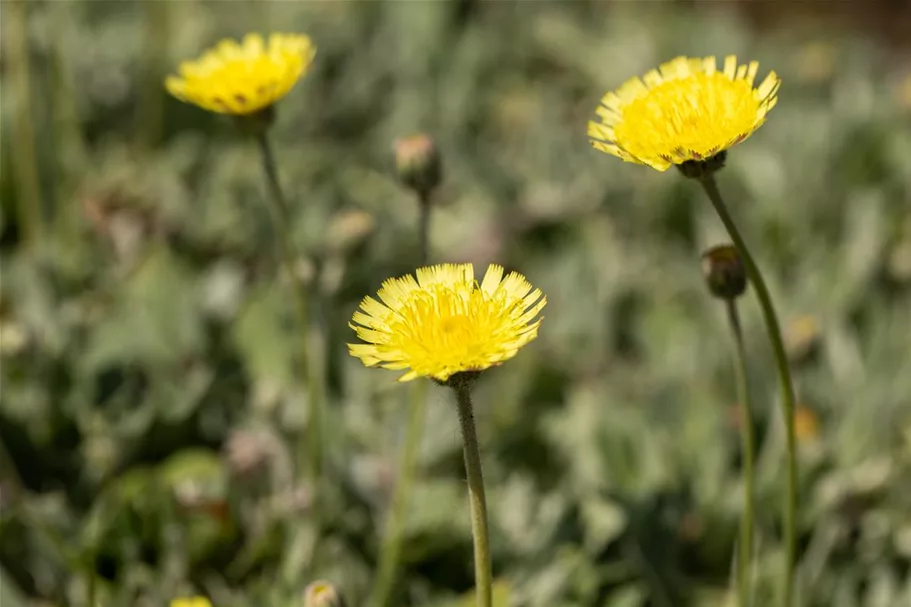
(478, 502)
(784, 374)
(280, 216)
(745, 551)
(401, 498)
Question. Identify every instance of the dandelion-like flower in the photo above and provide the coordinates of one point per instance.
(445, 322)
(684, 110)
(196, 601)
(243, 78)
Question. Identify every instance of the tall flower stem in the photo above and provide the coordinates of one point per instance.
(401, 498)
(29, 203)
(278, 208)
(784, 374)
(151, 101)
(745, 552)
(391, 551)
(477, 500)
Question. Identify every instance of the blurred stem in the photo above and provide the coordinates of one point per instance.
(395, 526)
(28, 189)
(784, 374)
(151, 101)
(92, 586)
(745, 552)
(478, 502)
(401, 499)
(71, 148)
(281, 219)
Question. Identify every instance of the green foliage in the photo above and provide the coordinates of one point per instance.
(151, 414)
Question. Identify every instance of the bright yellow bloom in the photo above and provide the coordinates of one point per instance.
(243, 78)
(445, 322)
(684, 110)
(196, 601)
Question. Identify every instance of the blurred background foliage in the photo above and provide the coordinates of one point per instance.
(151, 418)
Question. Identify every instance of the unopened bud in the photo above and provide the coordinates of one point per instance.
(723, 271)
(417, 162)
(322, 594)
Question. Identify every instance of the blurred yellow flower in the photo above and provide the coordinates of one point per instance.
(195, 601)
(904, 92)
(322, 594)
(243, 78)
(806, 424)
(445, 322)
(684, 110)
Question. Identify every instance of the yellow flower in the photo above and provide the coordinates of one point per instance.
(243, 78)
(322, 594)
(445, 322)
(684, 110)
(806, 424)
(196, 601)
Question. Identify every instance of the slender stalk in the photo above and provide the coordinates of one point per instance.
(394, 535)
(92, 590)
(29, 205)
(478, 503)
(68, 137)
(401, 499)
(784, 374)
(745, 550)
(278, 207)
(151, 101)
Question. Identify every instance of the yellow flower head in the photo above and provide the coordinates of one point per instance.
(445, 322)
(684, 110)
(243, 78)
(196, 601)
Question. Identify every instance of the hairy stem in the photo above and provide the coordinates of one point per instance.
(784, 375)
(395, 525)
(745, 551)
(478, 503)
(278, 207)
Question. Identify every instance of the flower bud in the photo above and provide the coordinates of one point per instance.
(417, 162)
(723, 271)
(322, 594)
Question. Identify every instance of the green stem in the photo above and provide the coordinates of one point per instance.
(151, 101)
(92, 590)
(478, 503)
(401, 498)
(745, 552)
(784, 375)
(29, 205)
(278, 207)
(72, 151)
(395, 525)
